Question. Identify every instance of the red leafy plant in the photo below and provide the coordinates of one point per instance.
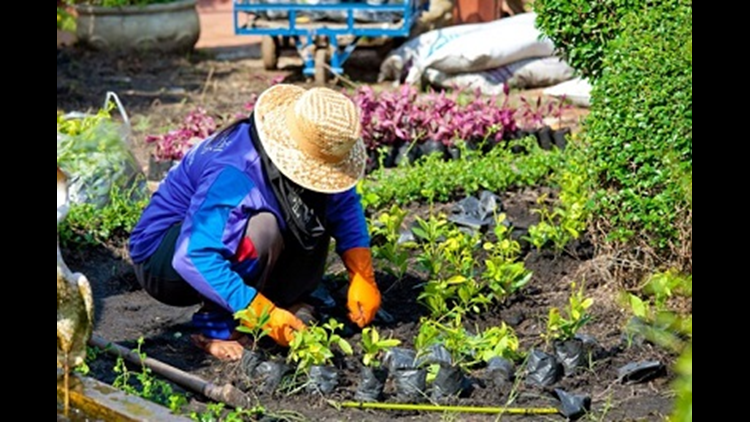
(533, 115)
(196, 126)
(405, 116)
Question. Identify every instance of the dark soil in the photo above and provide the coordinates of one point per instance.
(159, 91)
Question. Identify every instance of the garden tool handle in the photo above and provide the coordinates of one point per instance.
(227, 393)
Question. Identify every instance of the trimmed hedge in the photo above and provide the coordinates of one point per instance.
(581, 29)
(639, 135)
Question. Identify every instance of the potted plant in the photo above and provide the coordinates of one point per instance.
(446, 351)
(252, 324)
(127, 25)
(374, 374)
(562, 329)
(312, 351)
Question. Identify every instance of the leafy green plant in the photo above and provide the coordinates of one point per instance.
(670, 329)
(92, 353)
(448, 255)
(504, 274)
(454, 295)
(576, 315)
(78, 126)
(253, 324)
(638, 137)
(664, 285)
(218, 412)
(374, 347)
(495, 341)
(459, 249)
(427, 179)
(450, 334)
(582, 29)
(145, 385)
(431, 232)
(394, 255)
(467, 349)
(314, 345)
(88, 224)
(655, 319)
(558, 225)
(683, 385)
(110, 188)
(457, 283)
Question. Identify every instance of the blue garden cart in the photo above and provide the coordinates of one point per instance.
(324, 32)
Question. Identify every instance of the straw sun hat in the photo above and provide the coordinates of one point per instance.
(313, 136)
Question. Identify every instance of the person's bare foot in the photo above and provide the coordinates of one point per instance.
(228, 350)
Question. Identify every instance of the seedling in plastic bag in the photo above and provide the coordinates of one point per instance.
(253, 324)
(565, 327)
(375, 347)
(313, 346)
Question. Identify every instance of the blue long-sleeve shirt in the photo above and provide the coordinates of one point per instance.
(214, 190)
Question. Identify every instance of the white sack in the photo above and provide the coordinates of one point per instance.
(577, 91)
(527, 73)
(499, 43)
(416, 49)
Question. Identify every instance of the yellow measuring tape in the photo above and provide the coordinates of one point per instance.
(456, 409)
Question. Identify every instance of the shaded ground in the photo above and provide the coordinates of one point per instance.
(159, 91)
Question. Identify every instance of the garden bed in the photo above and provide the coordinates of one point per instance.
(125, 313)
(159, 91)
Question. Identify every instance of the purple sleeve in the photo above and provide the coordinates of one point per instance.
(210, 235)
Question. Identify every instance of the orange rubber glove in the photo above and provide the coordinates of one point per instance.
(363, 297)
(281, 325)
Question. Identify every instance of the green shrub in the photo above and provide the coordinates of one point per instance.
(683, 385)
(87, 224)
(581, 29)
(433, 180)
(639, 135)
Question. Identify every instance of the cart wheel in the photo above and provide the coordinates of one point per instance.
(269, 52)
(321, 59)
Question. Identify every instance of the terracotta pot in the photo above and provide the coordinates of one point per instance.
(167, 27)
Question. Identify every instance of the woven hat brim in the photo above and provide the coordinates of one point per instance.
(305, 170)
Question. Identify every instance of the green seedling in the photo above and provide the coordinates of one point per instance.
(145, 385)
(456, 295)
(395, 256)
(432, 232)
(559, 224)
(495, 341)
(504, 275)
(253, 324)
(375, 347)
(452, 335)
(314, 346)
(564, 327)
(658, 322)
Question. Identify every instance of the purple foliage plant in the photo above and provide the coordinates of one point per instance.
(196, 126)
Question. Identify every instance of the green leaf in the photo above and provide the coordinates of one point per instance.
(638, 306)
(345, 347)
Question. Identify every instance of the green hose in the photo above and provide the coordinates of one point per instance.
(457, 409)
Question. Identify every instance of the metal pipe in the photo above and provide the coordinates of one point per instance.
(456, 409)
(227, 393)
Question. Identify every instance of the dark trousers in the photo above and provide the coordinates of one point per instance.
(286, 274)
